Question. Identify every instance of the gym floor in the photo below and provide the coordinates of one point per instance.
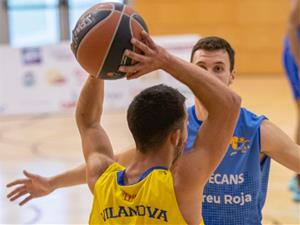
(49, 144)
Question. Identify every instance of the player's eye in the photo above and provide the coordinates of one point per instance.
(218, 69)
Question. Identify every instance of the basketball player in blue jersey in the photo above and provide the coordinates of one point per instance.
(236, 192)
(291, 59)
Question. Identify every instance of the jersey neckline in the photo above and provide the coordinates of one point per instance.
(121, 174)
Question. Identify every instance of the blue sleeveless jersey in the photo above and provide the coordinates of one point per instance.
(235, 194)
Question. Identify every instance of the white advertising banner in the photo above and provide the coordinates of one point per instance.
(48, 79)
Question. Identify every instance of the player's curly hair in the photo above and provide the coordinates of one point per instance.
(153, 114)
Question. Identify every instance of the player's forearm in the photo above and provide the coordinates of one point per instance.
(77, 175)
(90, 103)
(215, 96)
(279, 146)
(69, 178)
(289, 157)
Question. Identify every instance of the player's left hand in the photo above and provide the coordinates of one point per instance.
(33, 186)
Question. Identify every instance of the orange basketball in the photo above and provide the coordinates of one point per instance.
(101, 36)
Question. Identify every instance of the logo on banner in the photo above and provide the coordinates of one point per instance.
(55, 77)
(31, 56)
(29, 79)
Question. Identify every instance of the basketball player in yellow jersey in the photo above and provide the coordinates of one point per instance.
(147, 192)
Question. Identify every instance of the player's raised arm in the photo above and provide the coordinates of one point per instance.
(96, 146)
(223, 107)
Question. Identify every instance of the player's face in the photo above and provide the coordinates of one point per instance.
(215, 62)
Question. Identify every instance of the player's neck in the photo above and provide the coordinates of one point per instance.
(155, 157)
(144, 161)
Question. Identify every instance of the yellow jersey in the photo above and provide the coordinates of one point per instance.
(151, 200)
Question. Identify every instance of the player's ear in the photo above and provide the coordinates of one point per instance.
(232, 76)
(175, 136)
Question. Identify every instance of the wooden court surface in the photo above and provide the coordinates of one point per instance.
(48, 144)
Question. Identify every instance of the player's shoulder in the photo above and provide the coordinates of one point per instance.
(249, 122)
(250, 117)
(109, 173)
(245, 111)
(112, 168)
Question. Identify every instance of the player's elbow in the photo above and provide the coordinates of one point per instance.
(236, 101)
(233, 104)
(228, 107)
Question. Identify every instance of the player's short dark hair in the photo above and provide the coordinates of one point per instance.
(213, 43)
(153, 114)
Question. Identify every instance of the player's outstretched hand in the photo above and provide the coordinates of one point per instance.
(33, 186)
(153, 57)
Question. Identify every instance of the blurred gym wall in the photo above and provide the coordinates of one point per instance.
(255, 28)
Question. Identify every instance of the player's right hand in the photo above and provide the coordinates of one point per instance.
(33, 186)
(152, 58)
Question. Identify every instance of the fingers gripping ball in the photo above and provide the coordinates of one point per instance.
(101, 36)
